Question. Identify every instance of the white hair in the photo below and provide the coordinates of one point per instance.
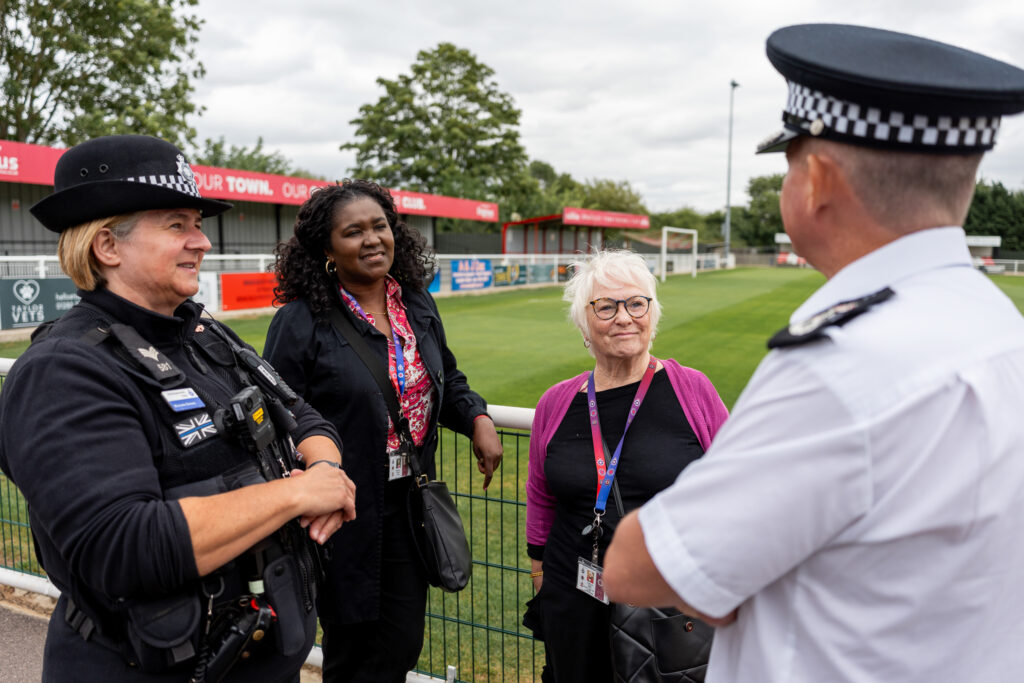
(608, 268)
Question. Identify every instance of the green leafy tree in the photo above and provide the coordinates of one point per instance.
(217, 153)
(444, 128)
(75, 69)
(612, 195)
(996, 210)
(763, 218)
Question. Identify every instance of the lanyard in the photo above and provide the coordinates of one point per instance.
(399, 357)
(606, 477)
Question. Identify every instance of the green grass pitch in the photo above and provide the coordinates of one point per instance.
(514, 344)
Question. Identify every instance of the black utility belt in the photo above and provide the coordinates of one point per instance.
(206, 632)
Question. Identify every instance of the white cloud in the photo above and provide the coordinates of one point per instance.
(635, 91)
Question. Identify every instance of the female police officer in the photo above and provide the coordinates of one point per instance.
(155, 452)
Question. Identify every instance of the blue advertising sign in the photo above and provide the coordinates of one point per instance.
(469, 274)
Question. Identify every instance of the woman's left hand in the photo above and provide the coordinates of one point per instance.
(487, 447)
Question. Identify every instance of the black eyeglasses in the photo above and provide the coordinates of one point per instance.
(636, 306)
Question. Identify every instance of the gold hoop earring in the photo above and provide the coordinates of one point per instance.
(586, 343)
(330, 267)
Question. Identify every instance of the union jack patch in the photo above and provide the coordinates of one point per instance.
(195, 429)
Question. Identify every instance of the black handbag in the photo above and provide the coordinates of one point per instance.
(436, 526)
(656, 644)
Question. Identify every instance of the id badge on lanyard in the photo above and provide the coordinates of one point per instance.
(589, 574)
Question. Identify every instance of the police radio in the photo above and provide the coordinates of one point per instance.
(246, 416)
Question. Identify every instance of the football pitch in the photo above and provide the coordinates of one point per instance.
(513, 345)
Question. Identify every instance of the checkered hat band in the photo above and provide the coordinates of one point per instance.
(887, 127)
(171, 182)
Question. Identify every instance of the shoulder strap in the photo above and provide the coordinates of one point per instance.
(347, 330)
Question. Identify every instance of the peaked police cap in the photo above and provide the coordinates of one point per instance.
(120, 174)
(874, 88)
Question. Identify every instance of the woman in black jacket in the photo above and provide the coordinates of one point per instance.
(351, 252)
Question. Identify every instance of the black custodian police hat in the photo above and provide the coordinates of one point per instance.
(875, 88)
(120, 174)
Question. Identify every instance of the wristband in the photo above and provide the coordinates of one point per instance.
(534, 575)
(326, 462)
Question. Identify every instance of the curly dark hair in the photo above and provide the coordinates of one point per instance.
(300, 260)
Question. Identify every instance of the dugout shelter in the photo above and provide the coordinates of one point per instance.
(571, 231)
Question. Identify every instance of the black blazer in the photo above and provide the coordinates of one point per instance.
(320, 366)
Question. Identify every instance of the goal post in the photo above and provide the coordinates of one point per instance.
(664, 249)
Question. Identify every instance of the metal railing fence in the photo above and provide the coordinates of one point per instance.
(478, 632)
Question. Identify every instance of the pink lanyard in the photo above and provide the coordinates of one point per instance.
(606, 477)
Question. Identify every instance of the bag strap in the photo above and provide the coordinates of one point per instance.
(348, 331)
(616, 495)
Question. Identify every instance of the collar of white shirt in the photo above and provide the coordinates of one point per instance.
(902, 258)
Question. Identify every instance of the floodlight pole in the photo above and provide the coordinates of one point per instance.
(728, 177)
(664, 249)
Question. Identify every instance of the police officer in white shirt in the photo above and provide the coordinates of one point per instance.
(860, 516)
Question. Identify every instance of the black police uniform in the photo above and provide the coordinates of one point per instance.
(92, 441)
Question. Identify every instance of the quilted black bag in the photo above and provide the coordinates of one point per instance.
(658, 644)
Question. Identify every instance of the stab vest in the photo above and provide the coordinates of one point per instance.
(197, 454)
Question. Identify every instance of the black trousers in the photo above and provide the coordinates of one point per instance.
(386, 649)
(575, 628)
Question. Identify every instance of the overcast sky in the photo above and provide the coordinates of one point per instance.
(635, 91)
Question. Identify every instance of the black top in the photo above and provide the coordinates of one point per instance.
(660, 443)
(320, 366)
(85, 439)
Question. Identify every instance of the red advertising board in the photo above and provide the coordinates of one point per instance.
(604, 219)
(246, 290)
(23, 163)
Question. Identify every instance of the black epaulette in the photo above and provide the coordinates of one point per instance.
(814, 327)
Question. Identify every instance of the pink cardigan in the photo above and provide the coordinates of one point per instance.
(700, 402)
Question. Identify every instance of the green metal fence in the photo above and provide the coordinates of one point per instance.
(478, 631)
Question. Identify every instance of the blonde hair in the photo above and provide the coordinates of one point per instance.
(609, 267)
(74, 248)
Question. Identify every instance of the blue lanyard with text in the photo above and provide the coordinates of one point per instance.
(399, 358)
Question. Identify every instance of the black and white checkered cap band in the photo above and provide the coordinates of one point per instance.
(171, 182)
(886, 128)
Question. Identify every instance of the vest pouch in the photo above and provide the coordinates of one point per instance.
(164, 633)
(282, 582)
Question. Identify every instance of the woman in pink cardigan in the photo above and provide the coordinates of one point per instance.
(602, 444)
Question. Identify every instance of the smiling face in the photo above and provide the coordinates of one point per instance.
(622, 336)
(157, 265)
(362, 244)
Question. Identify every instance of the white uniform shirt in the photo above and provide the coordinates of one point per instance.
(864, 504)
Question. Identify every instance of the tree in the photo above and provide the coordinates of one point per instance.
(764, 217)
(612, 195)
(445, 128)
(216, 153)
(997, 211)
(75, 70)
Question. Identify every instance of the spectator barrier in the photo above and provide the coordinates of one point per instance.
(476, 634)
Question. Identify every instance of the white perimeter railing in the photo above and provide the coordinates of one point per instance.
(505, 417)
(49, 266)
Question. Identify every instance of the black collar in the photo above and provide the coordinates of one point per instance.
(157, 328)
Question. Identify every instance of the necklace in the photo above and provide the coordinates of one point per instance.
(385, 313)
